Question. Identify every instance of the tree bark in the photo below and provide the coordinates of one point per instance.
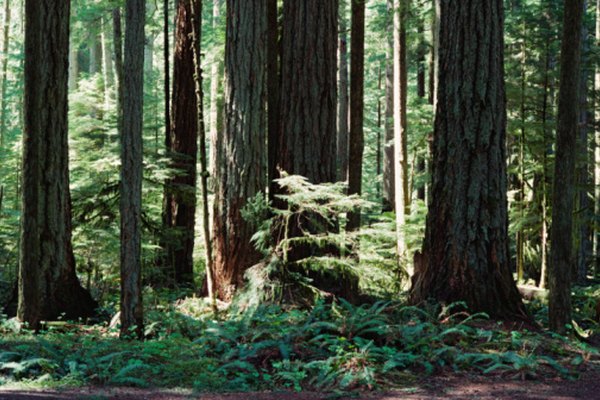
(243, 168)
(216, 101)
(389, 190)
(4, 77)
(180, 190)
(342, 146)
(132, 315)
(561, 251)
(597, 150)
(402, 195)
(167, 86)
(273, 93)
(308, 109)
(357, 94)
(466, 252)
(48, 284)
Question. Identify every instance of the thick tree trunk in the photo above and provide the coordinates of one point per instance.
(132, 314)
(561, 251)
(180, 190)
(308, 109)
(342, 146)
(389, 189)
(243, 168)
(466, 252)
(357, 93)
(48, 285)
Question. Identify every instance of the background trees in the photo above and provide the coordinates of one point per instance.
(283, 106)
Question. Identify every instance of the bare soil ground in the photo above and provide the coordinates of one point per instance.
(440, 387)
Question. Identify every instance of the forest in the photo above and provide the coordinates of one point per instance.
(303, 197)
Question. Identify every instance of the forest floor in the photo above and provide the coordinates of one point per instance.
(438, 387)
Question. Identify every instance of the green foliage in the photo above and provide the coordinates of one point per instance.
(330, 347)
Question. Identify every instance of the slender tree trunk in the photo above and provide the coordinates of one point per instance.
(243, 168)
(107, 66)
(132, 314)
(180, 190)
(380, 132)
(357, 94)
(167, 87)
(389, 189)
(343, 99)
(151, 7)
(48, 284)
(597, 149)
(273, 93)
(466, 252)
(561, 252)
(95, 50)
(402, 194)
(73, 67)
(216, 102)
(196, 40)
(4, 77)
(118, 55)
(584, 217)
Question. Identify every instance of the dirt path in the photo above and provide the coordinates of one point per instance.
(455, 387)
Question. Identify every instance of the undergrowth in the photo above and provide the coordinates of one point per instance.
(333, 346)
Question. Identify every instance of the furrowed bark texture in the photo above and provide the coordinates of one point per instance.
(342, 110)
(308, 108)
(273, 93)
(48, 285)
(180, 190)
(243, 169)
(132, 318)
(561, 231)
(465, 253)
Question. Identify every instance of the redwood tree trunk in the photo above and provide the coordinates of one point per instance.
(180, 190)
(308, 109)
(357, 91)
(389, 189)
(132, 316)
(243, 168)
(466, 253)
(342, 117)
(561, 250)
(273, 92)
(48, 285)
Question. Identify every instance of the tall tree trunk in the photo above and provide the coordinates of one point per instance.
(132, 314)
(402, 195)
(180, 190)
(167, 87)
(4, 77)
(308, 69)
(342, 146)
(357, 94)
(389, 189)
(118, 55)
(273, 93)
(466, 252)
(48, 284)
(561, 251)
(107, 66)
(196, 40)
(597, 150)
(73, 67)
(243, 168)
(584, 217)
(216, 101)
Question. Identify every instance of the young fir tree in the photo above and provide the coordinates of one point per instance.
(48, 285)
(465, 252)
